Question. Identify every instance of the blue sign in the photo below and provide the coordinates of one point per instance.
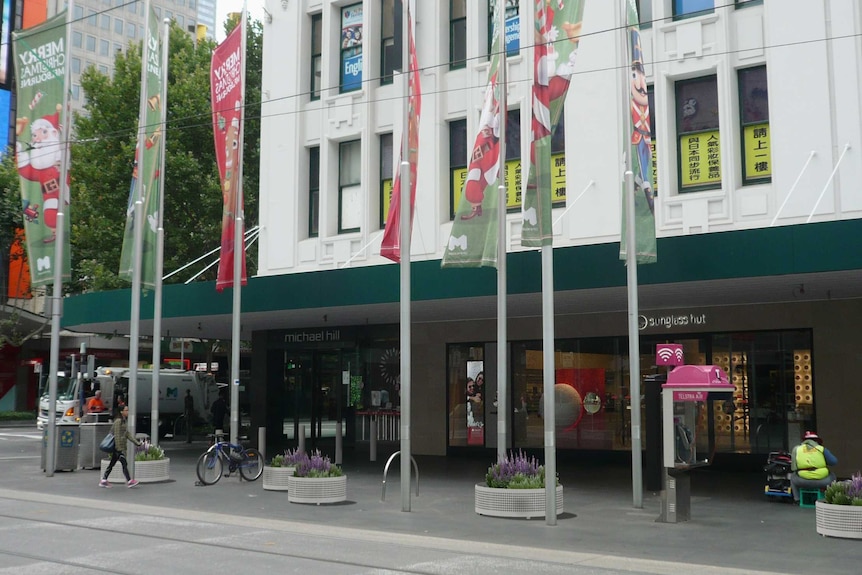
(351, 73)
(513, 34)
(5, 97)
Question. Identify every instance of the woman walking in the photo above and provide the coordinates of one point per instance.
(121, 433)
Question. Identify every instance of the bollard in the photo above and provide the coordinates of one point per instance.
(338, 440)
(372, 452)
(261, 442)
(300, 446)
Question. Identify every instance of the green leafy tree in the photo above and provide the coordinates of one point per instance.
(104, 148)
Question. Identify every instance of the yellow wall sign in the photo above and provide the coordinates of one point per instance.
(758, 159)
(514, 180)
(700, 159)
(387, 199)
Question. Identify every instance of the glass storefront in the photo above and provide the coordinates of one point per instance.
(772, 405)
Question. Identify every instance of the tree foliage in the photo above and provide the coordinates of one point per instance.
(102, 158)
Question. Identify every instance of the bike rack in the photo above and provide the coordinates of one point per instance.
(386, 471)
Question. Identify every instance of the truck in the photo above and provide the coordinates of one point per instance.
(114, 382)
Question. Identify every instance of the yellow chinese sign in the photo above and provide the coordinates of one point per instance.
(514, 180)
(387, 200)
(700, 156)
(654, 168)
(758, 162)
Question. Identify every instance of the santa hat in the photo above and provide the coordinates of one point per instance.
(51, 119)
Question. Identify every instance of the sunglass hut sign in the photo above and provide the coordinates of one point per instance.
(671, 321)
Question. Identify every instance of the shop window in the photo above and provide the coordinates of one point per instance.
(754, 125)
(388, 57)
(698, 138)
(386, 177)
(349, 187)
(457, 33)
(691, 8)
(313, 192)
(467, 394)
(316, 54)
(457, 162)
(351, 48)
(512, 36)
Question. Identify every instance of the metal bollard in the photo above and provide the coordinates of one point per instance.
(338, 442)
(372, 452)
(261, 442)
(300, 446)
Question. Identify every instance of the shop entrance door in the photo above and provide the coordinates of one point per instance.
(317, 395)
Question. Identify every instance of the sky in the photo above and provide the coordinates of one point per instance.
(224, 7)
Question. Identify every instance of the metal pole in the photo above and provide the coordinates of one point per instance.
(502, 319)
(634, 342)
(549, 384)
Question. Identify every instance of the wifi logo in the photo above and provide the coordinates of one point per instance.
(669, 354)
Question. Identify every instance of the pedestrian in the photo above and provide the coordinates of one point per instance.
(121, 434)
(809, 464)
(189, 410)
(218, 410)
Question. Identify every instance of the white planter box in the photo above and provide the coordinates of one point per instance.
(317, 489)
(145, 471)
(525, 503)
(838, 520)
(275, 478)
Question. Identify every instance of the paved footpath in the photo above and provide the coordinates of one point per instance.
(733, 529)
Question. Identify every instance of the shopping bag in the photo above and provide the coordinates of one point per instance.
(107, 444)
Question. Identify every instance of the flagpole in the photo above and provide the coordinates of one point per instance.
(631, 283)
(404, 268)
(238, 250)
(59, 240)
(160, 244)
(502, 339)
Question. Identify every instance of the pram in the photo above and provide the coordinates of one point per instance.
(777, 470)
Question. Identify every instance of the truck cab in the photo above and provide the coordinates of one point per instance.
(72, 392)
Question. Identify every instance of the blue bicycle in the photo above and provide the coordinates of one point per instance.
(235, 457)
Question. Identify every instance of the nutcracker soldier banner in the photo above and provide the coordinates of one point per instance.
(640, 154)
(227, 90)
(473, 240)
(558, 29)
(390, 247)
(147, 169)
(42, 131)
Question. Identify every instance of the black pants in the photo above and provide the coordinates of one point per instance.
(121, 457)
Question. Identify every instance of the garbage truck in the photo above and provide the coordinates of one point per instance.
(114, 382)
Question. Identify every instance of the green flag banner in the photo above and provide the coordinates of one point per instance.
(641, 152)
(146, 173)
(558, 29)
(42, 131)
(473, 240)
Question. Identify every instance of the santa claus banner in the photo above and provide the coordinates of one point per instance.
(641, 150)
(42, 131)
(391, 244)
(558, 28)
(147, 169)
(227, 91)
(473, 240)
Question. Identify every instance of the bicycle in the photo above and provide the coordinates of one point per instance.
(212, 462)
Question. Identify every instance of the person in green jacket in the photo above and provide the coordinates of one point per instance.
(121, 433)
(809, 465)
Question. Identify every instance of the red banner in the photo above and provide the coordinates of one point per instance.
(227, 91)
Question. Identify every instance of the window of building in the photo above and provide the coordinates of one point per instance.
(349, 187)
(117, 48)
(512, 36)
(690, 8)
(513, 160)
(313, 192)
(181, 21)
(76, 92)
(105, 22)
(91, 43)
(76, 65)
(130, 29)
(119, 26)
(351, 48)
(78, 13)
(158, 12)
(743, 3)
(77, 39)
(457, 33)
(387, 176)
(104, 47)
(644, 13)
(388, 56)
(699, 143)
(754, 119)
(92, 18)
(131, 7)
(468, 396)
(316, 54)
(103, 69)
(458, 156)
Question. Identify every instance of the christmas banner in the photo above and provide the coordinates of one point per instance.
(640, 151)
(558, 29)
(147, 169)
(42, 131)
(227, 91)
(391, 245)
(473, 240)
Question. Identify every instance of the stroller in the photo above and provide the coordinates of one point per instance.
(777, 470)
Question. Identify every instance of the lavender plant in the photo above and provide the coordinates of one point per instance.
(516, 471)
(316, 465)
(847, 492)
(146, 451)
(290, 458)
